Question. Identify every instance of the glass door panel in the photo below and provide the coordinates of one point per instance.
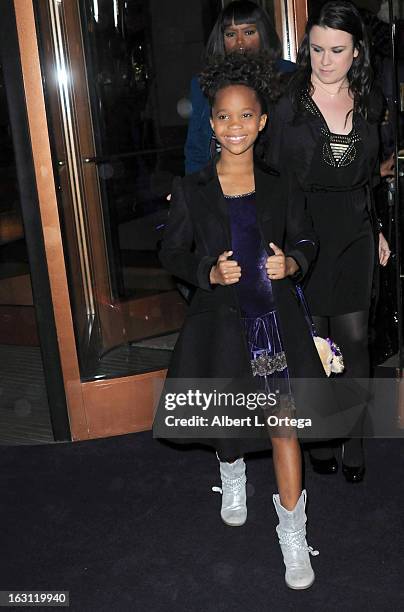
(117, 76)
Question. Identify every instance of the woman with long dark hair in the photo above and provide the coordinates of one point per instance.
(326, 130)
(242, 26)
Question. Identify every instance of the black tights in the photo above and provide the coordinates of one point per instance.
(350, 332)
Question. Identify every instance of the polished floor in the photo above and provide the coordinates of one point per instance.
(24, 410)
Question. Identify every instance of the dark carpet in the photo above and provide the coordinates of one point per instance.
(129, 523)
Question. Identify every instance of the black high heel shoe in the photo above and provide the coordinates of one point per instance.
(352, 473)
(328, 465)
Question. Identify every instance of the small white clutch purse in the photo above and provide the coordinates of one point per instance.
(330, 355)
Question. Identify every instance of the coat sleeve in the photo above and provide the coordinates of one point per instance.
(199, 133)
(301, 240)
(177, 253)
(377, 112)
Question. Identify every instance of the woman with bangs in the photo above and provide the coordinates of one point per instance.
(242, 27)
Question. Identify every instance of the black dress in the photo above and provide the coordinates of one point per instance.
(337, 200)
(335, 172)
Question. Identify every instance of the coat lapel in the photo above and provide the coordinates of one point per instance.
(211, 190)
(263, 184)
(269, 199)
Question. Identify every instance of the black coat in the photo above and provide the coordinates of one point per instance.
(211, 343)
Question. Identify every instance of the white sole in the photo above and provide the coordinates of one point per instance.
(234, 524)
(300, 588)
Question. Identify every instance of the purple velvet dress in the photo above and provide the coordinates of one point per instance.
(254, 291)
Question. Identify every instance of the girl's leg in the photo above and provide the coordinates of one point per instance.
(287, 459)
(290, 507)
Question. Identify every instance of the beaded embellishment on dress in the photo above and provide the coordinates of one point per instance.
(338, 149)
(267, 364)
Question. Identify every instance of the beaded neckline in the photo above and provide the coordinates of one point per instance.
(240, 195)
(338, 150)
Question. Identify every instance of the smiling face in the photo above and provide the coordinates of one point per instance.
(237, 119)
(243, 37)
(331, 54)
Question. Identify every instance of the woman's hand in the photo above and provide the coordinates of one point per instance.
(225, 272)
(387, 166)
(278, 266)
(384, 250)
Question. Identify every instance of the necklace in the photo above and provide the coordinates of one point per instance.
(239, 195)
(327, 92)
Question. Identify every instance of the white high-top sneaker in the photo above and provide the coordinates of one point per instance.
(292, 539)
(234, 506)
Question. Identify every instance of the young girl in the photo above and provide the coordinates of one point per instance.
(233, 233)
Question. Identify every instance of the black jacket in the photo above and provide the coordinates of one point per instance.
(211, 343)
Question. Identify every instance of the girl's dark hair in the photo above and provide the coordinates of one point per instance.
(256, 71)
(238, 12)
(338, 15)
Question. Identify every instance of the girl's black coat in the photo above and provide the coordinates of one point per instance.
(211, 343)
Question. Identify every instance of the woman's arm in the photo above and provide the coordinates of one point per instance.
(197, 145)
(379, 170)
(387, 167)
(176, 253)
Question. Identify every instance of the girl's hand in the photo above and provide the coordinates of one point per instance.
(387, 166)
(384, 250)
(278, 266)
(225, 272)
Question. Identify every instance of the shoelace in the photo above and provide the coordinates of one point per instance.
(232, 484)
(294, 540)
